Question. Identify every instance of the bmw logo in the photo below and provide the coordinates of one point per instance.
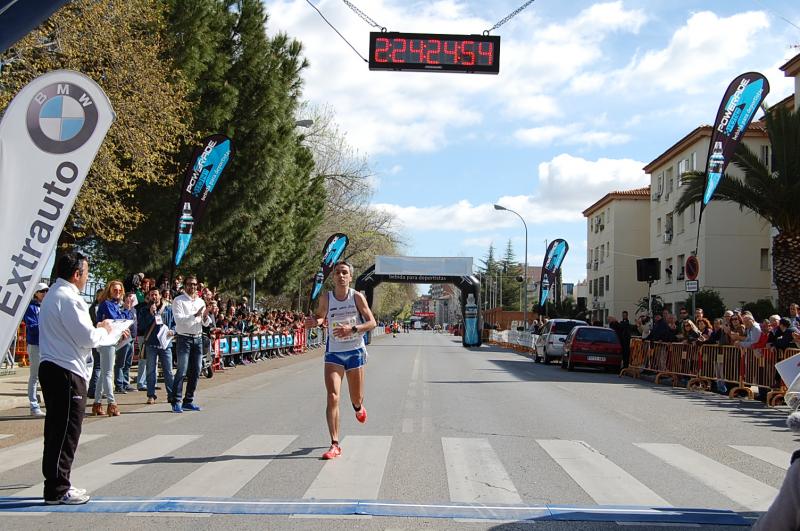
(61, 118)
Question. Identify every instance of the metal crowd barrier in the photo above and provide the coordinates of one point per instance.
(513, 339)
(238, 344)
(700, 365)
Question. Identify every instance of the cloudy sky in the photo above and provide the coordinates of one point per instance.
(588, 93)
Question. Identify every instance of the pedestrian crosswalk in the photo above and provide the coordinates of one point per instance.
(476, 472)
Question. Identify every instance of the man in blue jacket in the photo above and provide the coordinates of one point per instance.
(152, 319)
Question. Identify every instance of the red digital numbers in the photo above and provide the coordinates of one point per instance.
(434, 46)
(382, 46)
(433, 51)
(399, 50)
(486, 49)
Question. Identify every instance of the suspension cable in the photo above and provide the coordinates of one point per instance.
(366, 18)
(337, 31)
(508, 17)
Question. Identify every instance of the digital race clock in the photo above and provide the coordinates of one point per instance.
(431, 52)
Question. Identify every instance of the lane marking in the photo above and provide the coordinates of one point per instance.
(475, 472)
(598, 476)
(773, 456)
(24, 453)
(113, 467)
(744, 490)
(227, 474)
(357, 473)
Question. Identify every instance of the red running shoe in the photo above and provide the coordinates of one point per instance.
(334, 452)
(361, 414)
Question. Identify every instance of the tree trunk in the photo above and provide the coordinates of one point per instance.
(786, 269)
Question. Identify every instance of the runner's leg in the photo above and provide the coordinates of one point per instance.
(333, 385)
(355, 384)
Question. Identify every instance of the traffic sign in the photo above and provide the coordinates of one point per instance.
(692, 286)
(692, 268)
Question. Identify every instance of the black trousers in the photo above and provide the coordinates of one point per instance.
(65, 397)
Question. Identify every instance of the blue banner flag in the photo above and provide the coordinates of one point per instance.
(331, 253)
(202, 176)
(739, 104)
(553, 259)
(18, 18)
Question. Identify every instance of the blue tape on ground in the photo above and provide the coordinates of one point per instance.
(383, 508)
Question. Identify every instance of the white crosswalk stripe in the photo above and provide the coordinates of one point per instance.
(742, 489)
(24, 453)
(233, 469)
(474, 469)
(773, 456)
(110, 468)
(475, 474)
(357, 473)
(604, 481)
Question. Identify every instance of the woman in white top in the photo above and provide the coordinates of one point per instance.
(349, 318)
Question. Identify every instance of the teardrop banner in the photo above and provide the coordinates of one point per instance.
(50, 134)
(742, 99)
(553, 259)
(208, 162)
(331, 253)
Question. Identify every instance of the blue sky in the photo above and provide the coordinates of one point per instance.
(588, 93)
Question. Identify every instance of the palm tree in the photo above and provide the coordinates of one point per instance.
(773, 195)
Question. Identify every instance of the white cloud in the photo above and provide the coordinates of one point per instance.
(569, 134)
(484, 242)
(697, 53)
(567, 185)
(394, 170)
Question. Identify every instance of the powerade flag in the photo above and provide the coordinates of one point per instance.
(49, 136)
(208, 163)
(19, 17)
(553, 259)
(740, 103)
(331, 253)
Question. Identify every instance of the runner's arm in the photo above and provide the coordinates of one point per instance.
(363, 308)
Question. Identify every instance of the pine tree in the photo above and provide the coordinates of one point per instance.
(512, 288)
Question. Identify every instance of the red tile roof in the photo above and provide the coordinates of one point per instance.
(636, 194)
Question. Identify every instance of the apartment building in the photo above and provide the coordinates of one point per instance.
(617, 235)
(446, 303)
(734, 244)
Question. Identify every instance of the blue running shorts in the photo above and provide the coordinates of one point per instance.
(349, 359)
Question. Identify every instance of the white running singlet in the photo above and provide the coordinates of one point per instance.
(343, 313)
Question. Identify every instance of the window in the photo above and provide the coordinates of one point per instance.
(683, 167)
(602, 287)
(608, 249)
(670, 182)
(679, 222)
(692, 212)
(660, 184)
(658, 227)
(608, 288)
(681, 266)
(668, 271)
(693, 161)
(764, 259)
(765, 158)
(602, 253)
(590, 287)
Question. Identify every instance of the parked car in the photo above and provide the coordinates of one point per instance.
(549, 344)
(592, 346)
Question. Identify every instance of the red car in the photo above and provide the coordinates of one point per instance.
(592, 346)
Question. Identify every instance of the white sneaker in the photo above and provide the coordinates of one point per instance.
(72, 497)
(36, 412)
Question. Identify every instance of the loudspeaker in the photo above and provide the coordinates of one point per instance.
(648, 269)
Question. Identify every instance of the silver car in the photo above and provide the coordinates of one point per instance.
(549, 343)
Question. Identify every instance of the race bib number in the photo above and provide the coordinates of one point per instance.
(349, 323)
(159, 321)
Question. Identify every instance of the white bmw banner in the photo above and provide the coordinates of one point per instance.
(49, 136)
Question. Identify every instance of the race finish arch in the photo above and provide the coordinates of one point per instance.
(431, 270)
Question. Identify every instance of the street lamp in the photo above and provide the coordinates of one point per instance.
(525, 273)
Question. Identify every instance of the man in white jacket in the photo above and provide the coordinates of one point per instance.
(190, 315)
(66, 339)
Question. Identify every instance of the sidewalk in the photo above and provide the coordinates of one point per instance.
(14, 389)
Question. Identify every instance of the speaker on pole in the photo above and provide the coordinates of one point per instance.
(648, 269)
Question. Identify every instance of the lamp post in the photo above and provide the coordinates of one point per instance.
(525, 273)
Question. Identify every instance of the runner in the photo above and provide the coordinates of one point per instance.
(349, 318)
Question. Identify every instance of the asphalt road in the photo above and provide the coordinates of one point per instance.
(456, 439)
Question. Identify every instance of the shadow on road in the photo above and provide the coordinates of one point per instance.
(300, 453)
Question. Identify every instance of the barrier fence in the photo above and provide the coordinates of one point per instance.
(697, 366)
